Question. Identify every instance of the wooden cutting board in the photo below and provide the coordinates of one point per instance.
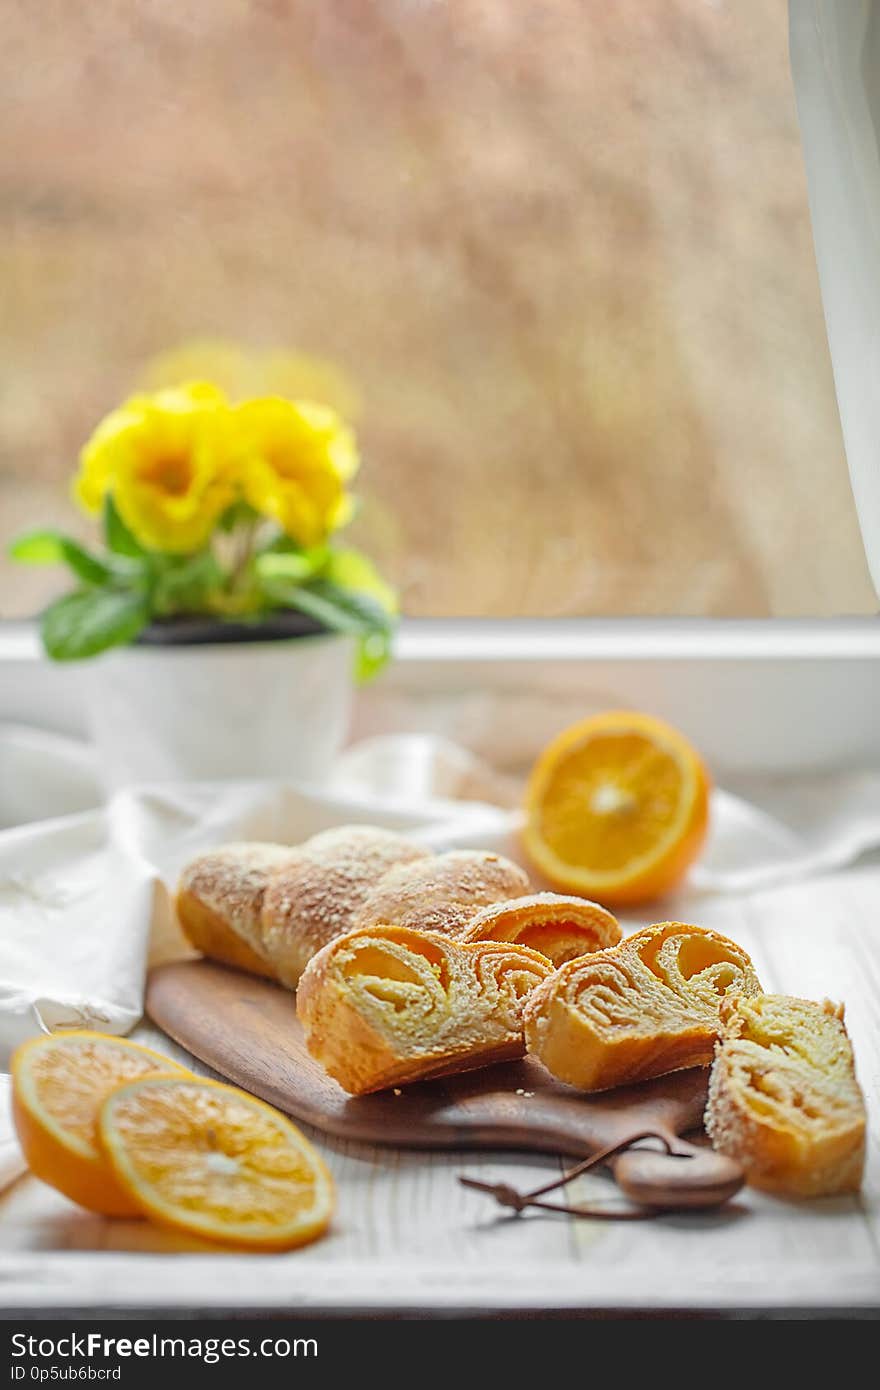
(247, 1030)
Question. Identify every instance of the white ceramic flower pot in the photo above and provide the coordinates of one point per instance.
(274, 709)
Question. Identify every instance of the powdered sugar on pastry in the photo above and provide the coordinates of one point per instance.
(322, 887)
(442, 893)
(220, 901)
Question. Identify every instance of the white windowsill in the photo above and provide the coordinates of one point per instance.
(643, 639)
(573, 639)
(774, 695)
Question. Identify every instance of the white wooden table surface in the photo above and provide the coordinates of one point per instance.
(407, 1236)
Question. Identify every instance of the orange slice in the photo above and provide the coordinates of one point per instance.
(58, 1085)
(617, 808)
(215, 1162)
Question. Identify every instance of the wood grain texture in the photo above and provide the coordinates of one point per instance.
(247, 1030)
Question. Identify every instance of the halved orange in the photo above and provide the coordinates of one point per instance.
(617, 808)
(213, 1161)
(58, 1085)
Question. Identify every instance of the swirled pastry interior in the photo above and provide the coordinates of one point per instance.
(386, 1005)
(560, 927)
(220, 903)
(646, 1007)
(319, 892)
(783, 1096)
(442, 893)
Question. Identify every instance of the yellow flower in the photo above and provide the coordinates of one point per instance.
(163, 460)
(295, 458)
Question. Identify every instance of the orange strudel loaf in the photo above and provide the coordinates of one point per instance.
(386, 1005)
(783, 1096)
(560, 927)
(648, 1006)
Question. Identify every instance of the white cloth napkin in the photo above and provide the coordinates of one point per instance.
(84, 900)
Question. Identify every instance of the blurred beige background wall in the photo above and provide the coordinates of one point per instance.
(558, 252)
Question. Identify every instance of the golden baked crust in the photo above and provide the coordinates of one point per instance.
(386, 1005)
(220, 899)
(561, 927)
(442, 893)
(641, 1009)
(783, 1096)
(318, 893)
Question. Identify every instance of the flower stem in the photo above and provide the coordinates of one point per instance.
(238, 593)
(246, 538)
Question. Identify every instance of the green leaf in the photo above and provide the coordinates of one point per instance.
(183, 583)
(85, 565)
(373, 652)
(337, 609)
(91, 620)
(241, 513)
(37, 548)
(296, 566)
(351, 569)
(304, 600)
(119, 539)
(53, 548)
(340, 610)
(362, 608)
(282, 544)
